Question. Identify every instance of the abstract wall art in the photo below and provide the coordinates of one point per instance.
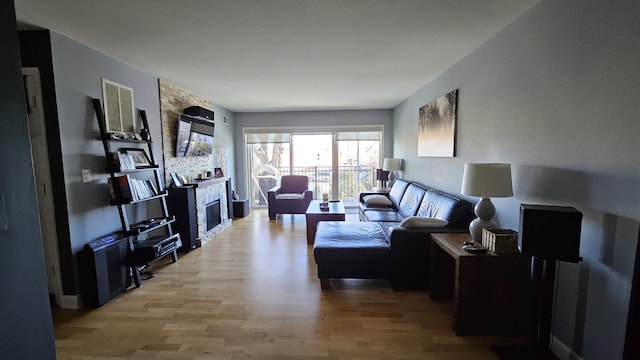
(437, 126)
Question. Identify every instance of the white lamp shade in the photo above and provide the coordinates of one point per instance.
(487, 180)
(391, 164)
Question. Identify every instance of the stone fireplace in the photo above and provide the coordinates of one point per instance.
(211, 208)
(173, 100)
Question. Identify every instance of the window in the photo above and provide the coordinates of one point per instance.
(341, 163)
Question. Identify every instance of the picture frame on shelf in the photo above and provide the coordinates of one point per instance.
(217, 173)
(177, 182)
(139, 157)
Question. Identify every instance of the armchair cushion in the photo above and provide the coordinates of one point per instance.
(289, 196)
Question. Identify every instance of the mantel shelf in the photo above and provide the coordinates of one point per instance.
(206, 182)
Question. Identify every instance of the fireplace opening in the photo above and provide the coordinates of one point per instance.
(213, 214)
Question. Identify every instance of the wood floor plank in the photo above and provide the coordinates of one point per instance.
(252, 293)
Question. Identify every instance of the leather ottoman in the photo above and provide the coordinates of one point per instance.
(355, 250)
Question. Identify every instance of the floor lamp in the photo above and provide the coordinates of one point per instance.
(548, 234)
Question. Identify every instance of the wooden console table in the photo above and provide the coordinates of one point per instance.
(490, 292)
(336, 212)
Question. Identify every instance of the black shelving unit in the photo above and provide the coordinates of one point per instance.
(150, 239)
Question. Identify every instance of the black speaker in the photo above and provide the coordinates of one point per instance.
(104, 269)
(199, 111)
(229, 199)
(182, 205)
(550, 232)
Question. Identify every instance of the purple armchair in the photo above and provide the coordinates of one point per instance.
(292, 196)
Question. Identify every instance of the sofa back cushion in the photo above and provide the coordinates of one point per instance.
(439, 205)
(411, 200)
(397, 190)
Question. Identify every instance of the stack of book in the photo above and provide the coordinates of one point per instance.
(126, 189)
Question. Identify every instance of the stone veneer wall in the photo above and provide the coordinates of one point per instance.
(173, 100)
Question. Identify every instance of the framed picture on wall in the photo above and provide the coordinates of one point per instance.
(437, 126)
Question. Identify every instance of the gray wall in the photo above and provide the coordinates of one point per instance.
(297, 119)
(556, 95)
(26, 331)
(78, 72)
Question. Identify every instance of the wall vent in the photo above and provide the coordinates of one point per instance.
(118, 107)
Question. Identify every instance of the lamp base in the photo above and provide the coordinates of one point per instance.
(476, 226)
(392, 178)
(485, 211)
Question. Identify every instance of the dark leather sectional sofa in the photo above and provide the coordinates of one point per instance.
(379, 247)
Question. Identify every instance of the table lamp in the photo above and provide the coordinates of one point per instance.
(485, 180)
(391, 165)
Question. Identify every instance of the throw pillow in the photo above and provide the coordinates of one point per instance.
(376, 199)
(422, 222)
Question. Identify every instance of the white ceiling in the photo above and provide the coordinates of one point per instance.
(281, 55)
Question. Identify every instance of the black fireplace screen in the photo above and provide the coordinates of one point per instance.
(213, 214)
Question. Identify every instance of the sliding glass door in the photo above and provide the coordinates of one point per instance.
(268, 154)
(340, 163)
(358, 159)
(312, 156)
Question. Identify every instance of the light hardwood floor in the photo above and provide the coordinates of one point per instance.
(253, 293)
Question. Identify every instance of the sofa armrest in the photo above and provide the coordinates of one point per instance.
(410, 255)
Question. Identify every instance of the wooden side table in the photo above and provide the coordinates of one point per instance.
(336, 212)
(490, 292)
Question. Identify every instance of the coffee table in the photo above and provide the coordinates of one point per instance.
(335, 212)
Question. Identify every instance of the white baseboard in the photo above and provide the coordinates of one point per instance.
(563, 351)
(69, 302)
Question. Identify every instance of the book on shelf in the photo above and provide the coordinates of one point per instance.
(152, 187)
(121, 190)
(142, 189)
(126, 189)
